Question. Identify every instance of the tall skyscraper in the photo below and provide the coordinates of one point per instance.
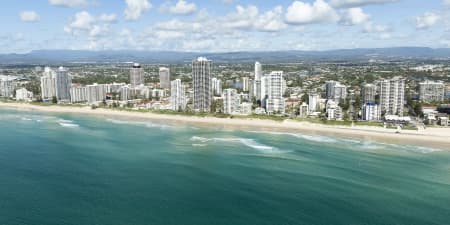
(392, 96)
(245, 84)
(257, 82)
(164, 78)
(7, 86)
(272, 90)
(63, 83)
(136, 75)
(216, 86)
(177, 95)
(201, 76)
(432, 91)
(231, 101)
(368, 93)
(48, 85)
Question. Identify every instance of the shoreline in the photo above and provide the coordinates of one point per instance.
(430, 137)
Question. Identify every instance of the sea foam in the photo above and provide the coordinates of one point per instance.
(244, 141)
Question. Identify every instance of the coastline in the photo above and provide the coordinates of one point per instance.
(430, 137)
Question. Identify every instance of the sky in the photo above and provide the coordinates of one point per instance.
(222, 25)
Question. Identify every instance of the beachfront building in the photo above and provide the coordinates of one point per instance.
(78, 94)
(62, 85)
(7, 86)
(48, 85)
(368, 93)
(371, 112)
(272, 89)
(334, 112)
(246, 108)
(335, 91)
(304, 109)
(216, 86)
(201, 75)
(231, 101)
(23, 94)
(125, 93)
(164, 78)
(257, 81)
(177, 95)
(136, 75)
(313, 102)
(392, 96)
(431, 91)
(245, 84)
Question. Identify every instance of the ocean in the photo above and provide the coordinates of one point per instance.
(64, 169)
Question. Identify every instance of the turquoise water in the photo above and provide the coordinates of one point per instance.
(66, 169)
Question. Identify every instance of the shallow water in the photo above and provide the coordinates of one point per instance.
(66, 169)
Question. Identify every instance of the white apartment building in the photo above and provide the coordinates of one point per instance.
(392, 96)
(313, 102)
(368, 93)
(201, 75)
(164, 78)
(48, 84)
(335, 91)
(371, 112)
(78, 94)
(216, 86)
(177, 95)
(272, 89)
(231, 101)
(257, 81)
(23, 94)
(431, 91)
(63, 84)
(245, 84)
(7, 86)
(334, 112)
(136, 75)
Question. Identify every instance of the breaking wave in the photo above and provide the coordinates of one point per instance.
(244, 141)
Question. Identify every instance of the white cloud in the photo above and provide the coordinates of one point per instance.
(70, 3)
(426, 20)
(85, 22)
(369, 27)
(357, 3)
(354, 16)
(29, 16)
(108, 18)
(271, 21)
(182, 7)
(305, 13)
(135, 8)
(446, 2)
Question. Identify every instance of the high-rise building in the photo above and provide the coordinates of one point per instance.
(23, 94)
(136, 75)
(96, 93)
(164, 78)
(371, 112)
(334, 112)
(78, 94)
(432, 91)
(368, 93)
(231, 101)
(63, 83)
(245, 84)
(48, 85)
(392, 96)
(7, 86)
(201, 75)
(177, 95)
(272, 90)
(257, 81)
(216, 86)
(335, 91)
(313, 102)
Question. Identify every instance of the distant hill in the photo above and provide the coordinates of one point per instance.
(363, 54)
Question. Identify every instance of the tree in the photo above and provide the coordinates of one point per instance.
(54, 100)
(305, 98)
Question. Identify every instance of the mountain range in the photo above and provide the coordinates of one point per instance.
(112, 56)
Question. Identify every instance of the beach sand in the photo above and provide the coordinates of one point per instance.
(430, 137)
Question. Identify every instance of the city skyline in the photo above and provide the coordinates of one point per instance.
(189, 25)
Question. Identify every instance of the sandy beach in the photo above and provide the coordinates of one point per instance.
(430, 137)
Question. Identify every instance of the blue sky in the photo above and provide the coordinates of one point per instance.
(222, 25)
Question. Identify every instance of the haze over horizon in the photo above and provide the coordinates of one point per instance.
(222, 25)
